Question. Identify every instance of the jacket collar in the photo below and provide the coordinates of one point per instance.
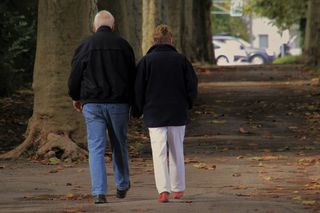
(104, 29)
(161, 47)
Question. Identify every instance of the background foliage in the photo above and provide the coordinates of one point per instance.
(225, 24)
(18, 43)
(284, 13)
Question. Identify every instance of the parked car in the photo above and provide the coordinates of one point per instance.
(228, 53)
(253, 55)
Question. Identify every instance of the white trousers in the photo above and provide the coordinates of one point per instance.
(168, 158)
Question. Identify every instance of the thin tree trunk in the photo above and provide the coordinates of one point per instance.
(155, 12)
(312, 40)
(54, 126)
(175, 20)
(202, 41)
(187, 29)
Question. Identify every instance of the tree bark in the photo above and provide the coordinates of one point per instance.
(202, 40)
(128, 20)
(54, 126)
(155, 12)
(312, 40)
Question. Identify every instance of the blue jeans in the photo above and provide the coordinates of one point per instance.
(114, 118)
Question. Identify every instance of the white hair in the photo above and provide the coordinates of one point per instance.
(103, 18)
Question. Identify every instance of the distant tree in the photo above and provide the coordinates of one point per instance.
(225, 24)
(312, 41)
(284, 13)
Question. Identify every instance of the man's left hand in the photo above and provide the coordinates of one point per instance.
(77, 105)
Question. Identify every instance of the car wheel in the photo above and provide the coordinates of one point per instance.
(257, 59)
(222, 60)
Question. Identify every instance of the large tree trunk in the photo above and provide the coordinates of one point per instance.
(202, 40)
(128, 19)
(312, 40)
(54, 127)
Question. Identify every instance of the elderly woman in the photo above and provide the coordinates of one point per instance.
(165, 88)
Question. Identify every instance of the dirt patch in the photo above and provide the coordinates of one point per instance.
(15, 112)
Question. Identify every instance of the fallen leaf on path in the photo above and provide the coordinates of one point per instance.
(54, 161)
(69, 196)
(243, 131)
(148, 170)
(313, 186)
(240, 187)
(293, 128)
(140, 210)
(268, 178)
(204, 166)
(307, 161)
(187, 160)
(240, 157)
(297, 198)
(243, 195)
(218, 121)
(267, 158)
(236, 175)
(53, 171)
(309, 202)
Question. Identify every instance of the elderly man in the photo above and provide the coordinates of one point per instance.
(101, 87)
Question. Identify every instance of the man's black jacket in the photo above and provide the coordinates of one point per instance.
(165, 87)
(103, 69)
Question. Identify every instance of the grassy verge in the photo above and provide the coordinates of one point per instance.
(289, 60)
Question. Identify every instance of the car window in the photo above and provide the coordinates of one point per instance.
(216, 46)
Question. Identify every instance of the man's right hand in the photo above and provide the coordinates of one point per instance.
(77, 105)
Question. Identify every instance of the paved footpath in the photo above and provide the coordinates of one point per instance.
(252, 146)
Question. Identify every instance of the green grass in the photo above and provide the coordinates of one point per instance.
(288, 60)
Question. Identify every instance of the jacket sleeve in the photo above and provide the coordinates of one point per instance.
(77, 67)
(139, 89)
(191, 83)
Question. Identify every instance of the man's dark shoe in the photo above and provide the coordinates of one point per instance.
(123, 192)
(98, 199)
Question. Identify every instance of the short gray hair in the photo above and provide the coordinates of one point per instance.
(103, 18)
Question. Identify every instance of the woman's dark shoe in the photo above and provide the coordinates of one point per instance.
(98, 199)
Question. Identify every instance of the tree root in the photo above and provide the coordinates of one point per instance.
(58, 145)
(63, 148)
